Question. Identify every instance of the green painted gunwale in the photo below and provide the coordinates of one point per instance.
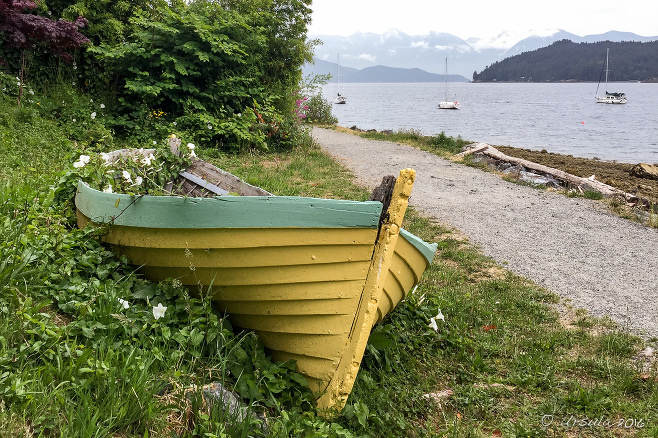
(427, 249)
(225, 211)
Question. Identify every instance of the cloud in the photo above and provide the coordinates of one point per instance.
(462, 48)
(363, 57)
(419, 45)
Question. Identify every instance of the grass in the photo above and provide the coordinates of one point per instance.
(508, 360)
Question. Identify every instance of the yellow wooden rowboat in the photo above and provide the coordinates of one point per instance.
(311, 276)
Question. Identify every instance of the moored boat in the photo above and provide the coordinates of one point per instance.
(311, 276)
(608, 97)
(446, 103)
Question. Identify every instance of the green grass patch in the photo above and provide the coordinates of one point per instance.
(440, 144)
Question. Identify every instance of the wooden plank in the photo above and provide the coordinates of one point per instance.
(220, 178)
(206, 185)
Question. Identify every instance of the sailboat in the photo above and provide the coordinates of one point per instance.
(339, 98)
(448, 104)
(609, 97)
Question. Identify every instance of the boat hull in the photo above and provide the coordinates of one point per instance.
(302, 272)
(611, 100)
(449, 105)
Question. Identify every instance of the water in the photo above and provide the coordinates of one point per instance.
(562, 118)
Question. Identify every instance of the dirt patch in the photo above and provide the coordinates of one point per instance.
(277, 163)
(608, 172)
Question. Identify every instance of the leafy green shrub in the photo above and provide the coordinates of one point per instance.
(449, 144)
(319, 111)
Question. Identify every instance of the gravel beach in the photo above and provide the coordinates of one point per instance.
(572, 246)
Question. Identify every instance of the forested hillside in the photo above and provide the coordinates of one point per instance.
(568, 61)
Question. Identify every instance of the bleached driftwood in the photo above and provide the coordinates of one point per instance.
(473, 148)
(588, 183)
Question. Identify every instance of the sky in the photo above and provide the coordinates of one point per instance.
(484, 18)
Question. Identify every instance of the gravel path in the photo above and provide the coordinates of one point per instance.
(571, 246)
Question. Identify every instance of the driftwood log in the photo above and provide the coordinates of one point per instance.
(587, 183)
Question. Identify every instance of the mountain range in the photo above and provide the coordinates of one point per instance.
(376, 74)
(396, 49)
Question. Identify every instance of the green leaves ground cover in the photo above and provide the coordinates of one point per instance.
(68, 340)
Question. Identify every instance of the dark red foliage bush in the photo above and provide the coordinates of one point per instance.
(21, 29)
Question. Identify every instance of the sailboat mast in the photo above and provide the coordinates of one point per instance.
(607, 51)
(446, 79)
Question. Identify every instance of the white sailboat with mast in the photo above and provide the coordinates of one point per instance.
(448, 104)
(609, 97)
(340, 99)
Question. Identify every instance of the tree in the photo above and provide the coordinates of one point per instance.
(21, 30)
(24, 31)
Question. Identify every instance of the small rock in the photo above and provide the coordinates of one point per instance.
(216, 394)
(513, 170)
(643, 170)
(438, 396)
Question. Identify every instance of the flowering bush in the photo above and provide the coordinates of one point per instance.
(140, 172)
(319, 111)
(300, 108)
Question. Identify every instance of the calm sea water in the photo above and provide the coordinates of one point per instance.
(562, 118)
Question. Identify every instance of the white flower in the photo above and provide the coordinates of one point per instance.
(159, 311)
(192, 154)
(108, 189)
(102, 105)
(93, 115)
(138, 181)
(124, 303)
(147, 160)
(31, 92)
(74, 120)
(433, 319)
(84, 159)
(126, 176)
(190, 146)
(106, 159)
(209, 126)
(174, 123)
(155, 142)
